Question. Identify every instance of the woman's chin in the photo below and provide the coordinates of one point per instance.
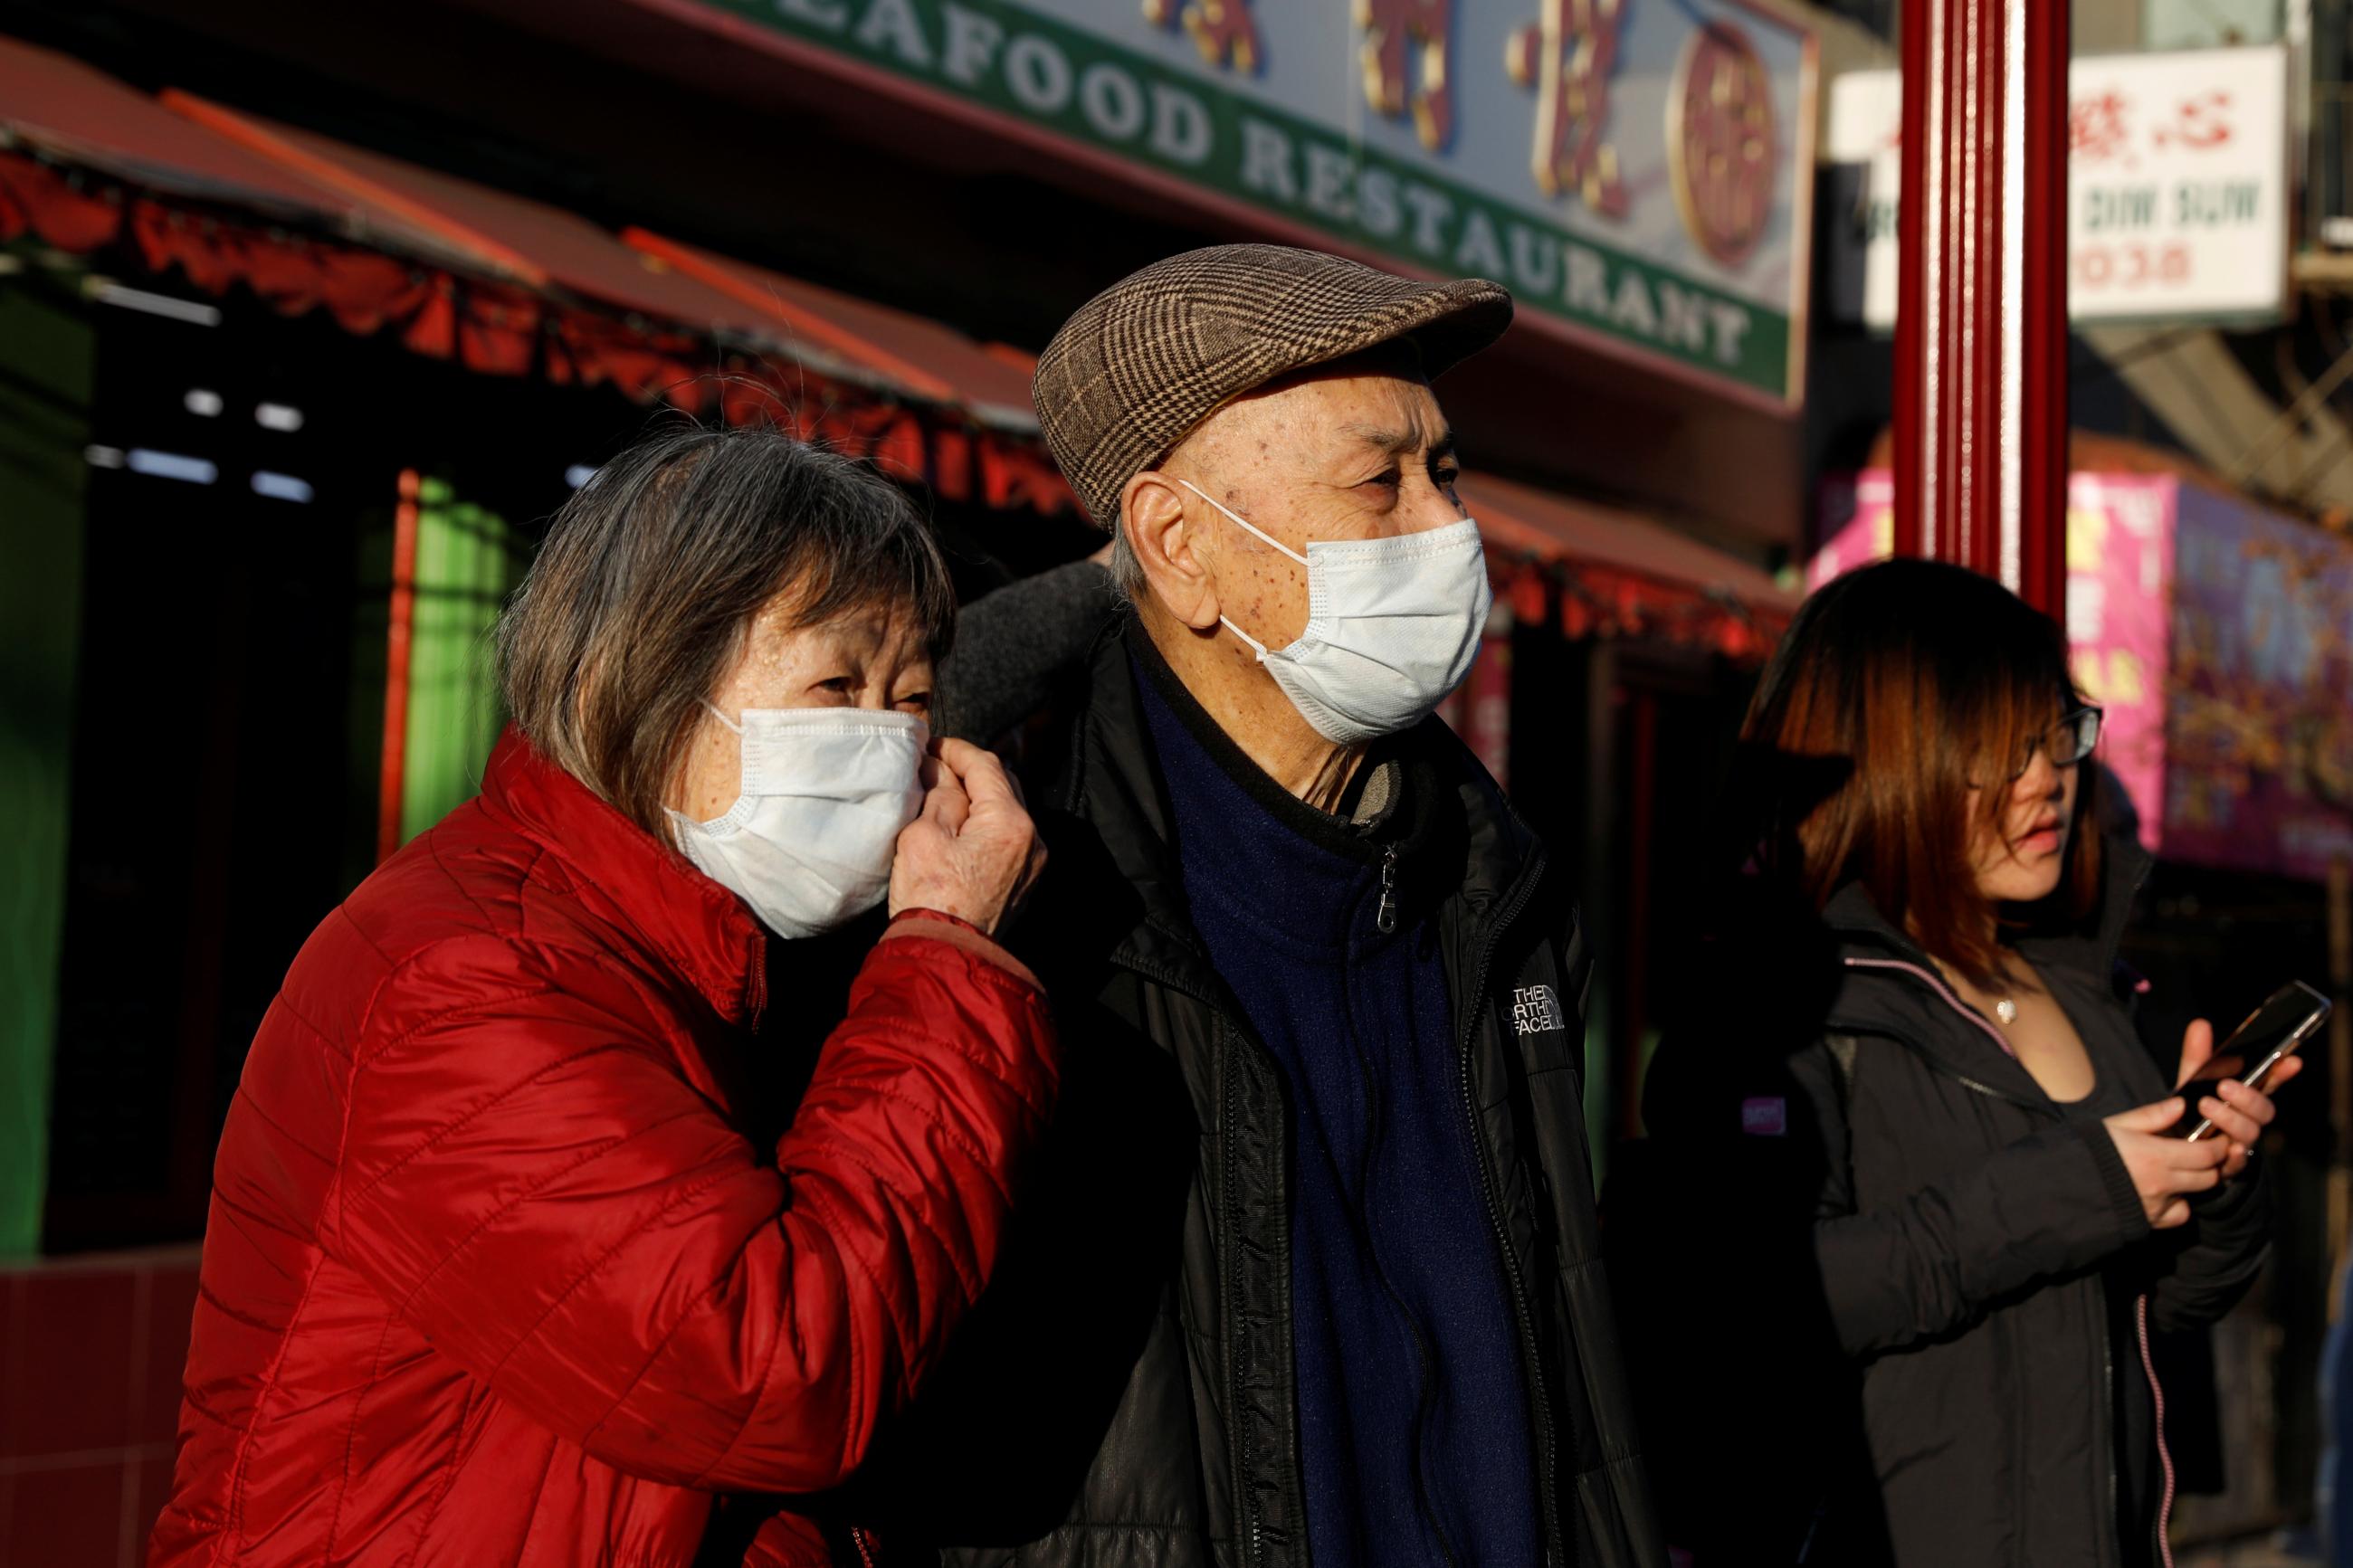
(2023, 889)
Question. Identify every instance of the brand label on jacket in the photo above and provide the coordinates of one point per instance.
(1536, 1010)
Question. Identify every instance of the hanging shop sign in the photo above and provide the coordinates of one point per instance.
(2218, 635)
(1637, 172)
(2177, 189)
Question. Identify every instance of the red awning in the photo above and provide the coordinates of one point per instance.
(58, 106)
(643, 273)
(506, 285)
(526, 242)
(941, 362)
(513, 286)
(1618, 573)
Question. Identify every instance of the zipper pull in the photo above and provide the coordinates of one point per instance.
(1385, 915)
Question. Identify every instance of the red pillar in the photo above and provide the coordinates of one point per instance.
(1981, 301)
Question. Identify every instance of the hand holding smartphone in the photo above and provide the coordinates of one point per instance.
(2292, 1015)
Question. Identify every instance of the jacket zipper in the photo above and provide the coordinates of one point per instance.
(2164, 1455)
(1243, 1482)
(1384, 917)
(1521, 1315)
(2108, 1414)
(858, 1539)
(2140, 1306)
(1256, 1548)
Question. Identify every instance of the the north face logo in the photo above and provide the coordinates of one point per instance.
(1536, 1010)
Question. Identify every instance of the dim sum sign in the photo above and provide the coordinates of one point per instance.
(2176, 185)
(1637, 172)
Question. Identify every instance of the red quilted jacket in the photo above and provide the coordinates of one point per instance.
(493, 1276)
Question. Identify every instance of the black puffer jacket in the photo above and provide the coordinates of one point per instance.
(1897, 1299)
(1122, 1395)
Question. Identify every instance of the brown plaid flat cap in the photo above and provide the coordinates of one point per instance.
(1143, 362)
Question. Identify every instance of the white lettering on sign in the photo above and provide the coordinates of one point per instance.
(972, 45)
(1600, 193)
(1430, 211)
(1481, 253)
(891, 25)
(1445, 206)
(1266, 162)
(1180, 125)
(1329, 173)
(1113, 102)
(2177, 181)
(1039, 74)
(1377, 203)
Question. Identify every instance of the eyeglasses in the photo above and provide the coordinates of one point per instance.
(2067, 743)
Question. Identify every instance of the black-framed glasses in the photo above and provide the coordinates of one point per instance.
(2067, 743)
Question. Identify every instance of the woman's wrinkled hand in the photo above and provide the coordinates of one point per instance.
(973, 852)
(2238, 1112)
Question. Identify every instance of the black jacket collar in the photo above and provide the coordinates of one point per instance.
(2088, 947)
(1890, 986)
(1464, 846)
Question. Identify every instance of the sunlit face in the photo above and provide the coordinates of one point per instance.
(1340, 455)
(2022, 858)
(876, 657)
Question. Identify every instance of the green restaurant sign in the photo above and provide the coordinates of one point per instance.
(1637, 171)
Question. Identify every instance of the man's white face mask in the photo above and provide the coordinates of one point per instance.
(809, 841)
(1393, 626)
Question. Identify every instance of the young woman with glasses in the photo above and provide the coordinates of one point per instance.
(1923, 1212)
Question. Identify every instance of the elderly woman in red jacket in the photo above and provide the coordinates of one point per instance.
(500, 1267)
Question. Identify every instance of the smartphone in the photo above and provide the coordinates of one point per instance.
(2293, 1014)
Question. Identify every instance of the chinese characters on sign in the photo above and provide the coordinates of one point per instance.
(1639, 186)
(2095, 128)
(1567, 56)
(1223, 31)
(2177, 187)
(1395, 30)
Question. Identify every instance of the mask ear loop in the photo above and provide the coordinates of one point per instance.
(723, 718)
(1244, 520)
(1256, 645)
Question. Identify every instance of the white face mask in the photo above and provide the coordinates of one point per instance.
(826, 791)
(1393, 626)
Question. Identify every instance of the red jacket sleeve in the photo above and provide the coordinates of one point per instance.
(532, 1181)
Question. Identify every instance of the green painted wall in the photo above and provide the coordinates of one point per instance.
(466, 560)
(47, 350)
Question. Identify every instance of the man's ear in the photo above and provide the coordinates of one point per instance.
(1151, 510)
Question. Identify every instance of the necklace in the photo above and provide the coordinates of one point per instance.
(2006, 1010)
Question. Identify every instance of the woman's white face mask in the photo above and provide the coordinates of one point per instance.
(1393, 626)
(826, 791)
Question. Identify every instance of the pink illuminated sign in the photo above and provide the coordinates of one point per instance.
(2218, 635)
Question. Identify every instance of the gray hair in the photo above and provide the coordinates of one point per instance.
(651, 574)
(1126, 571)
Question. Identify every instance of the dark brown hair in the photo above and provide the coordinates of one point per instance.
(652, 572)
(1897, 689)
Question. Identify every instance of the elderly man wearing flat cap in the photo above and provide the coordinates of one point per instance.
(1311, 1275)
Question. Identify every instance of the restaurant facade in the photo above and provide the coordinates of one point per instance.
(308, 322)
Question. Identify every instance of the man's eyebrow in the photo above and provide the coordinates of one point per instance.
(1392, 442)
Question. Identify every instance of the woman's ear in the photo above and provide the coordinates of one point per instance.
(1152, 509)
